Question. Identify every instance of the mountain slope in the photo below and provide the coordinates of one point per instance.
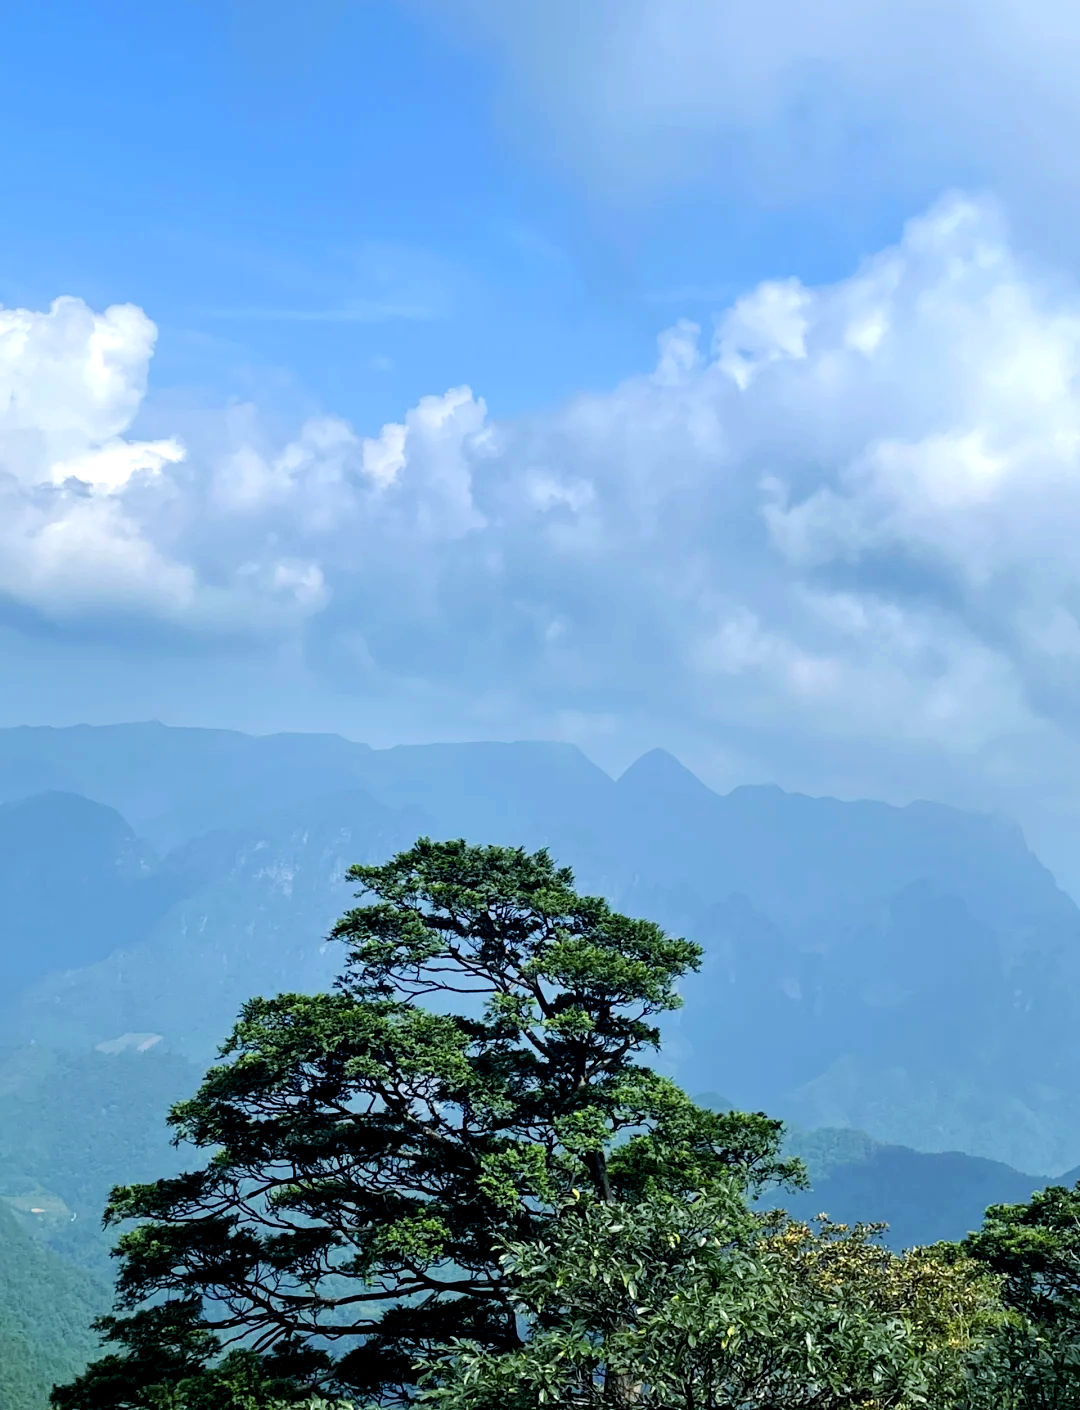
(256, 907)
(73, 1124)
(147, 770)
(911, 971)
(914, 972)
(46, 1309)
(76, 884)
(923, 1197)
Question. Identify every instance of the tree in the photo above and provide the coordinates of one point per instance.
(695, 1303)
(948, 1303)
(1025, 1368)
(1034, 1361)
(371, 1157)
(1035, 1247)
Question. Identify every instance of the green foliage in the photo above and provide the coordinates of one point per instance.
(170, 1363)
(948, 1304)
(371, 1158)
(672, 1302)
(71, 1125)
(1024, 1368)
(45, 1314)
(1035, 1249)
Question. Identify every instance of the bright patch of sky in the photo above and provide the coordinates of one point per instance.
(652, 372)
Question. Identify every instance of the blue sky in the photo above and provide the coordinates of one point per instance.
(330, 198)
(651, 372)
(341, 193)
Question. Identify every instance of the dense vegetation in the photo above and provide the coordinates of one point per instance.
(45, 1315)
(454, 1178)
(69, 1123)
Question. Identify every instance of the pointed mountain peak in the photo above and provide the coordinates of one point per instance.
(660, 772)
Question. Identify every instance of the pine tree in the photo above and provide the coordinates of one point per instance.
(372, 1151)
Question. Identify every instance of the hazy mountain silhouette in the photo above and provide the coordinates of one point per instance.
(914, 972)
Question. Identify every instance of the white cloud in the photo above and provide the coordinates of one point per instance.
(70, 384)
(854, 519)
(848, 520)
(427, 461)
(772, 323)
(91, 520)
(384, 455)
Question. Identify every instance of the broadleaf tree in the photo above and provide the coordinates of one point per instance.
(693, 1302)
(1034, 1247)
(370, 1152)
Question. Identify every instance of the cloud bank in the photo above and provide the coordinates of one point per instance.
(847, 513)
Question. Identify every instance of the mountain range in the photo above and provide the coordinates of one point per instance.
(899, 984)
(911, 972)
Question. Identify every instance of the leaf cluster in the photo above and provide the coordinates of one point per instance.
(1033, 1363)
(675, 1303)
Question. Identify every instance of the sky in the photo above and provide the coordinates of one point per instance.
(635, 373)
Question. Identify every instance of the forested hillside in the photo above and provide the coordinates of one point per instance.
(46, 1307)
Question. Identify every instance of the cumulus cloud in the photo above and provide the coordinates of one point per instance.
(70, 383)
(99, 527)
(846, 513)
(849, 514)
(794, 97)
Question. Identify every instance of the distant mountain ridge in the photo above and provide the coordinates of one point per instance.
(914, 972)
(76, 884)
(923, 1197)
